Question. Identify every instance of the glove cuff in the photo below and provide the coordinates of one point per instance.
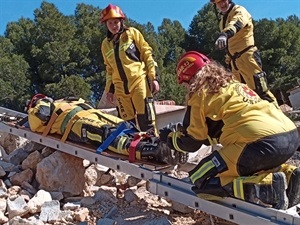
(223, 34)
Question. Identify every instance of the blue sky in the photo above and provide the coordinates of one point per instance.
(143, 11)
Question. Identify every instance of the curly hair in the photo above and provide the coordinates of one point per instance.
(212, 77)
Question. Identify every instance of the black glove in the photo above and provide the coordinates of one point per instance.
(171, 127)
(221, 42)
(163, 134)
(181, 156)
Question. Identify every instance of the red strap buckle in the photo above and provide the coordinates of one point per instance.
(132, 147)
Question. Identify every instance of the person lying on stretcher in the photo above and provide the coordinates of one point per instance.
(78, 121)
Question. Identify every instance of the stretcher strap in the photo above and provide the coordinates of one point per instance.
(121, 130)
(68, 117)
(133, 154)
(132, 148)
(54, 117)
(71, 122)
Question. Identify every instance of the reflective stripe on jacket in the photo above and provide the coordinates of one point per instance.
(128, 60)
(240, 116)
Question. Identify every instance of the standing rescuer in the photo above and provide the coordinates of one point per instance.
(237, 39)
(131, 74)
(256, 137)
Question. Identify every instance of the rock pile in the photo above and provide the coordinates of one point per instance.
(40, 186)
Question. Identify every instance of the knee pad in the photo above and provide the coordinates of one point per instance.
(211, 190)
(208, 168)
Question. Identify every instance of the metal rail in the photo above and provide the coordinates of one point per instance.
(230, 209)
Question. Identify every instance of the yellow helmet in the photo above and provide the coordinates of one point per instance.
(111, 12)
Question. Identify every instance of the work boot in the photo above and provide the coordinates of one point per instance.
(161, 153)
(148, 147)
(293, 190)
(269, 194)
(148, 150)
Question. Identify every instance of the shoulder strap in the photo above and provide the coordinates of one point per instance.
(71, 122)
(54, 117)
(81, 106)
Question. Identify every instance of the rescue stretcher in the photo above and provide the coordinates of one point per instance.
(158, 183)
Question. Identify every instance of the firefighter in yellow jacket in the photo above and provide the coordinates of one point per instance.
(237, 39)
(77, 121)
(131, 75)
(256, 137)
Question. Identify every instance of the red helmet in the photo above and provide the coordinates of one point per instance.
(189, 64)
(32, 103)
(111, 12)
(34, 100)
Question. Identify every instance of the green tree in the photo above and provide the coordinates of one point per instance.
(14, 83)
(202, 33)
(171, 36)
(50, 47)
(72, 86)
(89, 35)
(54, 51)
(279, 43)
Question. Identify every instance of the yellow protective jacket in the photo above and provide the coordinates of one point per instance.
(38, 119)
(79, 122)
(127, 61)
(38, 116)
(234, 115)
(237, 25)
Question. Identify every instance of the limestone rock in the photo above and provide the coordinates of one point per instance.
(61, 172)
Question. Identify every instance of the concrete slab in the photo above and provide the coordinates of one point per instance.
(164, 114)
